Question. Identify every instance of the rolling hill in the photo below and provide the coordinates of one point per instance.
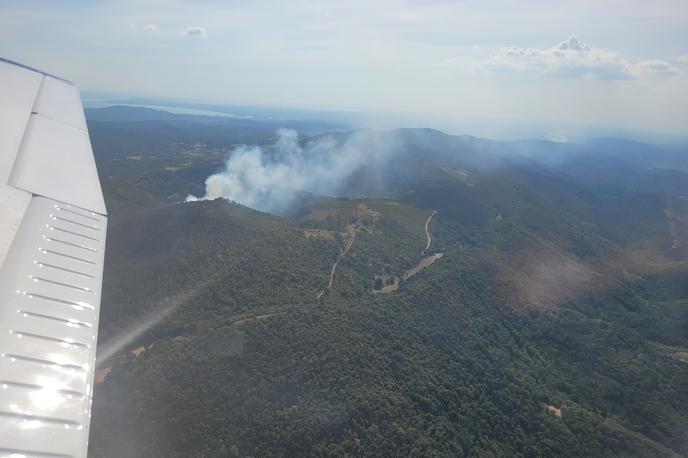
(551, 321)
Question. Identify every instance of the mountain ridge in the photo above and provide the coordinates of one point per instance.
(550, 326)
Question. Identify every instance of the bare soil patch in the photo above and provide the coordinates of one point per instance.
(318, 234)
(680, 356)
(554, 411)
(101, 374)
(422, 264)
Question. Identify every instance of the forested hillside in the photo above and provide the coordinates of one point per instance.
(547, 317)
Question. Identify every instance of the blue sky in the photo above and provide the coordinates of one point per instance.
(614, 63)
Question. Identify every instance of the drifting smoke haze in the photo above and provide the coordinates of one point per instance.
(272, 178)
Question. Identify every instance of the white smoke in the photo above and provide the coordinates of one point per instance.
(270, 179)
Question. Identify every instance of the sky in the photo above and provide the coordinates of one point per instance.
(621, 63)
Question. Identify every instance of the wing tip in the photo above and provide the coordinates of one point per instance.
(33, 69)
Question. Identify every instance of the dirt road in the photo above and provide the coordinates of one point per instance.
(352, 231)
(427, 232)
(424, 262)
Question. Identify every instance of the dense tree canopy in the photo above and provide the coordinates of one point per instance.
(554, 324)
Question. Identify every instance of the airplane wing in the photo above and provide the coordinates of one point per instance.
(52, 242)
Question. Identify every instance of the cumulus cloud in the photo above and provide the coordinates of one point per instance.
(653, 68)
(574, 59)
(571, 58)
(151, 28)
(196, 32)
(683, 59)
(573, 44)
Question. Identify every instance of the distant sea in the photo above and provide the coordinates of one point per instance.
(167, 108)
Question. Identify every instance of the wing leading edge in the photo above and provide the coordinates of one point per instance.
(52, 242)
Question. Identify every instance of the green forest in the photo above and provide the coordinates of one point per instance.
(553, 324)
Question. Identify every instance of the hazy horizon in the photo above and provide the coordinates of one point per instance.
(489, 128)
(610, 63)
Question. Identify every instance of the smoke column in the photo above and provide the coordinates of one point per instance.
(270, 179)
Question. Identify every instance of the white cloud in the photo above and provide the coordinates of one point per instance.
(574, 59)
(683, 59)
(387, 55)
(151, 28)
(571, 58)
(573, 44)
(196, 32)
(653, 68)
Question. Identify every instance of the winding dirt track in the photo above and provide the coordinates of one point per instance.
(427, 232)
(336, 262)
(423, 263)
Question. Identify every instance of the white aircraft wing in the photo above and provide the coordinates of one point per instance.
(52, 242)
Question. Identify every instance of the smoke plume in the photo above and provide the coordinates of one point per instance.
(271, 178)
